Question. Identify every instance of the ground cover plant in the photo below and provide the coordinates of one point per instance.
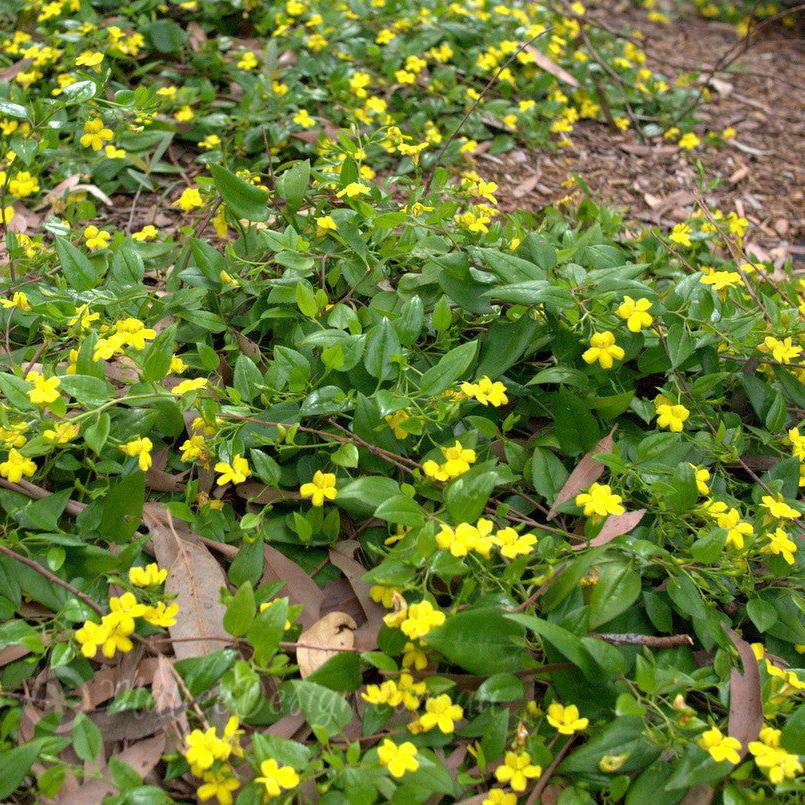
(337, 484)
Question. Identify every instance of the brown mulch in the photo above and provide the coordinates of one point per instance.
(759, 174)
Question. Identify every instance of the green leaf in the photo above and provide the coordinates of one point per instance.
(243, 198)
(246, 378)
(401, 510)
(576, 428)
(240, 611)
(381, 345)
(562, 640)
(362, 496)
(267, 630)
(201, 673)
(89, 391)
(321, 707)
(10, 109)
(76, 266)
(86, 738)
(548, 474)
(15, 763)
(533, 292)
(618, 588)
(157, 361)
(292, 184)
(449, 368)
(762, 613)
(340, 673)
(466, 496)
(345, 456)
(481, 641)
(123, 508)
(500, 688)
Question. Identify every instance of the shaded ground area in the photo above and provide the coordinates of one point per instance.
(759, 173)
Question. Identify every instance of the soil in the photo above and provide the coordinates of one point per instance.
(759, 173)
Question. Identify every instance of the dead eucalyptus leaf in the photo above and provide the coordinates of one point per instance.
(586, 473)
(142, 757)
(541, 60)
(299, 587)
(333, 633)
(195, 579)
(615, 526)
(746, 704)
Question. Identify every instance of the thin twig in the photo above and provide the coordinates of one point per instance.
(652, 641)
(543, 781)
(45, 573)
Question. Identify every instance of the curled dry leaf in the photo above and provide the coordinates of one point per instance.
(586, 473)
(333, 633)
(746, 704)
(195, 579)
(615, 526)
(142, 757)
(541, 60)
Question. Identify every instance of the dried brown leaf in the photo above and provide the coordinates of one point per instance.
(341, 557)
(526, 186)
(614, 526)
(541, 60)
(299, 587)
(196, 37)
(586, 473)
(142, 757)
(746, 705)
(194, 577)
(701, 794)
(331, 634)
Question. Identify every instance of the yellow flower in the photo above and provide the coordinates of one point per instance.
(395, 420)
(161, 614)
(148, 232)
(720, 746)
(778, 508)
(672, 417)
(635, 313)
(189, 200)
(486, 391)
(62, 432)
(302, 118)
(210, 142)
(414, 657)
(16, 466)
(702, 477)
(780, 545)
(6, 214)
(95, 134)
(44, 390)
(689, 141)
(326, 223)
(96, 238)
(124, 609)
(112, 152)
(457, 459)
(442, 713)
(512, 544)
(89, 59)
(398, 758)
(353, 190)
(184, 115)
(736, 529)
(599, 500)
(18, 300)
(236, 472)
(141, 448)
(603, 349)
(516, 770)
(782, 351)
(383, 595)
(276, 778)
(566, 719)
(148, 576)
(202, 749)
(189, 385)
(420, 619)
(722, 280)
(681, 234)
(219, 784)
(90, 636)
(321, 488)
(248, 61)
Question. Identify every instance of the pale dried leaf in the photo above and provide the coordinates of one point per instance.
(526, 186)
(551, 67)
(586, 473)
(746, 705)
(614, 526)
(95, 191)
(14, 69)
(341, 557)
(142, 757)
(196, 37)
(299, 587)
(194, 578)
(331, 634)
